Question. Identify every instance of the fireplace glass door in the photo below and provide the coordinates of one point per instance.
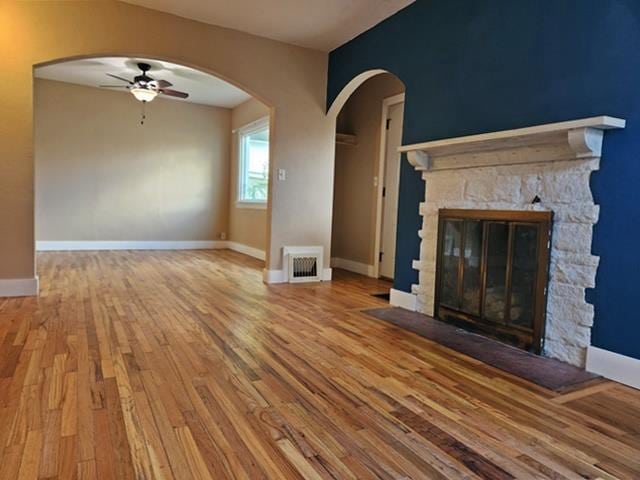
(492, 269)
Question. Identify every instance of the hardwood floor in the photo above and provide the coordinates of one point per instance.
(184, 365)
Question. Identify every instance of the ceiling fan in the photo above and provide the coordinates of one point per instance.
(144, 87)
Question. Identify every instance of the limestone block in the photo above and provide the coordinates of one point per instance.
(575, 213)
(578, 275)
(572, 237)
(570, 316)
(445, 189)
(430, 238)
(576, 258)
(578, 337)
(429, 253)
(429, 209)
(566, 291)
(420, 307)
(566, 353)
(492, 188)
(567, 309)
(430, 222)
(566, 187)
(529, 188)
(504, 206)
(427, 282)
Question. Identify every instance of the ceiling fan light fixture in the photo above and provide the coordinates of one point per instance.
(143, 94)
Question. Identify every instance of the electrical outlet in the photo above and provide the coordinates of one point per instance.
(282, 174)
(223, 235)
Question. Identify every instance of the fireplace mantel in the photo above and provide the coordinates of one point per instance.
(546, 168)
(572, 140)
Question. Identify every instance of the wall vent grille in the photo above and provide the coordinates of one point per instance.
(305, 264)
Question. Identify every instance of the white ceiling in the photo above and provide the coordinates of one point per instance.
(201, 87)
(318, 24)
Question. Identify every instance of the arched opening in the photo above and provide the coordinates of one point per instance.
(349, 88)
(369, 115)
(187, 168)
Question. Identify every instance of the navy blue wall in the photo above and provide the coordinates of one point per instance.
(473, 66)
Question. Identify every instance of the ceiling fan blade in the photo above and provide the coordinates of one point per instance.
(120, 78)
(173, 93)
(163, 84)
(113, 86)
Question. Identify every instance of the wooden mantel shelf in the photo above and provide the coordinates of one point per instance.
(571, 140)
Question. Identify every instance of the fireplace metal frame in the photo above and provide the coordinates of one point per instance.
(529, 339)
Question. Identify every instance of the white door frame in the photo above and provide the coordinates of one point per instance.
(386, 103)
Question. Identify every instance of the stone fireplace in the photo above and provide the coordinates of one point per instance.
(545, 168)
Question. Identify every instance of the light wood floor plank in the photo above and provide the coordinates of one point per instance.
(180, 365)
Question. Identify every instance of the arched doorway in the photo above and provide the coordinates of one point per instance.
(369, 116)
(185, 178)
(284, 77)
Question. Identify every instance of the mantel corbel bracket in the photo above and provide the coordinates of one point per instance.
(586, 142)
(419, 159)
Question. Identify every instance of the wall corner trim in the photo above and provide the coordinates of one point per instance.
(405, 300)
(614, 366)
(19, 287)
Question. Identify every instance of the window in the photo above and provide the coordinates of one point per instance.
(253, 151)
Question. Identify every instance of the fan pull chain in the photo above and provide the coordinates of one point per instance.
(144, 116)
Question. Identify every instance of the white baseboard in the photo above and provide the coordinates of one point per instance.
(351, 266)
(71, 245)
(327, 273)
(279, 276)
(246, 249)
(273, 276)
(19, 287)
(401, 299)
(614, 366)
(81, 245)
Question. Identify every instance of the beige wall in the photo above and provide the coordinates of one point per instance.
(247, 226)
(354, 219)
(291, 80)
(100, 175)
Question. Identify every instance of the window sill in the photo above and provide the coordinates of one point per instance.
(252, 205)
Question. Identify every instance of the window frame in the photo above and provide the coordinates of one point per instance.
(249, 129)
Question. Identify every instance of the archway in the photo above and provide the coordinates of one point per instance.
(168, 184)
(348, 90)
(369, 114)
(160, 58)
(285, 77)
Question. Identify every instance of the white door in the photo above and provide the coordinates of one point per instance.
(390, 190)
